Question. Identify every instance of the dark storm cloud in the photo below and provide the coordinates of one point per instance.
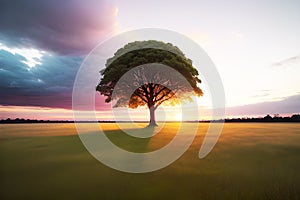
(47, 85)
(61, 26)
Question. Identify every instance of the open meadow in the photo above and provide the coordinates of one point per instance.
(250, 161)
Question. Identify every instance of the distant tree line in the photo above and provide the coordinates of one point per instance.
(23, 121)
(267, 118)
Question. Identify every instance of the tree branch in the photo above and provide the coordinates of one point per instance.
(163, 96)
(143, 99)
(172, 95)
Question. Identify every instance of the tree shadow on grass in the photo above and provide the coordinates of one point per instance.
(140, 140)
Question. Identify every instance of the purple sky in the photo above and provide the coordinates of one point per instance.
(255, 46)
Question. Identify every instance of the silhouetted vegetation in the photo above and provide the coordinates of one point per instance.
(267, 118)
(24, 121)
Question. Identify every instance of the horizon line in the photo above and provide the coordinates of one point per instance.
(267, 118)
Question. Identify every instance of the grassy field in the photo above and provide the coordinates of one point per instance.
(250, 161)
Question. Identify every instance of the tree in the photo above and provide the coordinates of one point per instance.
(153, 88)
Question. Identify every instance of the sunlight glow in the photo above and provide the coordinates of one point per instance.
(179, 116)
(32, 56)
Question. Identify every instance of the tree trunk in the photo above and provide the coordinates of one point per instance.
(152, 116)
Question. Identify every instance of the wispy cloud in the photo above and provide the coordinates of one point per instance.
(287, 62)
(262, 93)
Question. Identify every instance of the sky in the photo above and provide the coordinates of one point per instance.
(255, 46)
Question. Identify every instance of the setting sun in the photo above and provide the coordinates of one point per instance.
(179, 116)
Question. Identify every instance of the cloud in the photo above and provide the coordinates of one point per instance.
(64, 27)
(287, 62)
(262, 93)
(48, 84)
(287, 105)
